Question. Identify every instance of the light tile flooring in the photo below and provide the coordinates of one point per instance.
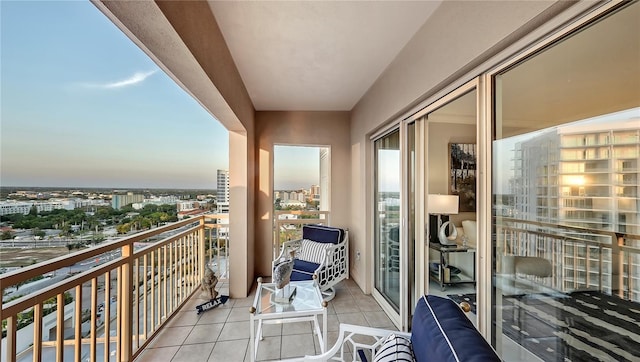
(222, 334)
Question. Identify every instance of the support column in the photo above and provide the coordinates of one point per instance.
(241, 196)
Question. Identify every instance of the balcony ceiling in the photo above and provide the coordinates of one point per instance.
(318, 55)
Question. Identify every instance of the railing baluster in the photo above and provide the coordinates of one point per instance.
(172, 292)
(158, 283)
(60, 327)
(125, 302)
(153, 291)
(136, 301)
(629, 275)
(586, 266)
(78, 324)
(165, 295)
(181, 264)
(12, 330)
(145, 303)
(107, 315)
(201, 250)
(119, 312)
(94, 319)
(37, 332)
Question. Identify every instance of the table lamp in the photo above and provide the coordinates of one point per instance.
(441, 206)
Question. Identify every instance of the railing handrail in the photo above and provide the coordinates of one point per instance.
(13, 277)
(613, 234)
(27, 301)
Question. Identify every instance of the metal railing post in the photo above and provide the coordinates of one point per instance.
(124, 298)
(201, 248)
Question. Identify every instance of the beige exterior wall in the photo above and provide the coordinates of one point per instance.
(430, 61)
(299, 128)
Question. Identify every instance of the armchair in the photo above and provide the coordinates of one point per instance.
(321, 254)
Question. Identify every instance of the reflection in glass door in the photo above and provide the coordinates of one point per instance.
(566, 200)
(387, 218)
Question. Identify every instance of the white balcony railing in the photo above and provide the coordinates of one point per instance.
(111, 310)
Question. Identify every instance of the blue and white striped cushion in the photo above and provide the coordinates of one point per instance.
(312, 251)
(394, 348)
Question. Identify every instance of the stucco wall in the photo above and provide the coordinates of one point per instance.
(298, 128)
(449, 44)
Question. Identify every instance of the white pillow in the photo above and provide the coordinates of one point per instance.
(312, 251)
(394, 348)
(470, 230)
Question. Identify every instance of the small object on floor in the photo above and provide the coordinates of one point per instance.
(211, 304)
(209, 282)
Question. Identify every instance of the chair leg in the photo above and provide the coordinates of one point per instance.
(329, 294)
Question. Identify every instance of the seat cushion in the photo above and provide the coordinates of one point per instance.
(442, 332)
(304, 266)
(297, 276)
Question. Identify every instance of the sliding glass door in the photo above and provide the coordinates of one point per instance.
(566, 176)
(387, 222)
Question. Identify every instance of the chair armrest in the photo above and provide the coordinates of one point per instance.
(348, 336)
(330, 253)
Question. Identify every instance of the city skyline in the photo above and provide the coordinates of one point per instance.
(83, 106)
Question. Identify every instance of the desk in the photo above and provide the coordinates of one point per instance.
(442, 274)
(306, 305)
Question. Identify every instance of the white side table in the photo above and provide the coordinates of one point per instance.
(306, 305)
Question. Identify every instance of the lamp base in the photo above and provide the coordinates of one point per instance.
(434, 226)
(447, 239)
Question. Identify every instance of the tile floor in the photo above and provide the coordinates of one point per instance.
(222, 334)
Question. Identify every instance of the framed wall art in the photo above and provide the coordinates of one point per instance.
(462, 174)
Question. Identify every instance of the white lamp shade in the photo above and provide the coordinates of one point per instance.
(442, 204)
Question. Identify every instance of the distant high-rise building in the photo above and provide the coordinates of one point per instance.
(314, 190)
(119, 200)
(585, 176)
(581, 175)
(223, 186)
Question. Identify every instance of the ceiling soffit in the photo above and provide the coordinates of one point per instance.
(315, 55)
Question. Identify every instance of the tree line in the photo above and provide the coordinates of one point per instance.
(90, 218)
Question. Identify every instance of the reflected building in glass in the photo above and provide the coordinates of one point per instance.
(584, 175)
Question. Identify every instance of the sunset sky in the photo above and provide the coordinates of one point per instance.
(81, 105)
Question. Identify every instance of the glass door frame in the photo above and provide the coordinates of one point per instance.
(419, 285)
(422, 175)
(395, 316)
